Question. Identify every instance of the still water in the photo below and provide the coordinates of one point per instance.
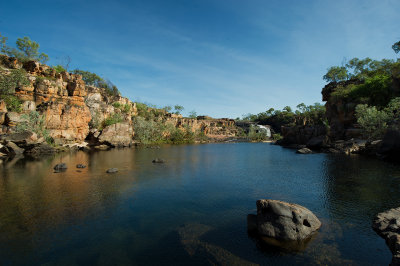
(190, 210)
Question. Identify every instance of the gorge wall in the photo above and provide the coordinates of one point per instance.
(75, 112)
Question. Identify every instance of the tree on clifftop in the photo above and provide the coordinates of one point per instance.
(336, 74)
(396, 47)
(26, 50)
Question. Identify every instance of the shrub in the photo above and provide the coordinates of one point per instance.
(253, 135)
(59, 68)
(94, 80)
(9, 82)
(13, 103)
(113, 119)
(116, 105)
(35, 122)
(277, 136)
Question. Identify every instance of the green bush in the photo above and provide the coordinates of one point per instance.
(35, 122)
(253, 135)
(59, 68)
(94, 80)
(13, 103)
(375, 91)
(374, 121)
(15, 79)
(277, 136)
(113, 119)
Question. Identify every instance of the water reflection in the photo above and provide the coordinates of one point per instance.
(86, 216)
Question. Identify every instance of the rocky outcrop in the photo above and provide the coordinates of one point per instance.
(119, 135)
(66, 123)
(389, 148)
(312, 136)
(283, 221)
(210, 127)
(75, 112)
(387, 225)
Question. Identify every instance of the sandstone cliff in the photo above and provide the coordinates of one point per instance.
(75, 112)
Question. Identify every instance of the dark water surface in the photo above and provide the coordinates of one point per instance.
(191, 210)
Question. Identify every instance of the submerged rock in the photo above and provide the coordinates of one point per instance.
(112, 170)
(387, 225)
(283, 221)
(61, 167)
(80, 166)
(158, 160)
(205, 253)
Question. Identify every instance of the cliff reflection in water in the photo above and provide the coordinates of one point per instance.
(197, 201)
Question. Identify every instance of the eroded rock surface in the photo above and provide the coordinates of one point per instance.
(387, 225)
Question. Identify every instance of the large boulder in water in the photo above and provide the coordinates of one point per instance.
(283, 221)
(387, 225)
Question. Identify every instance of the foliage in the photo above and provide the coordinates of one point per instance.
(35, 122)
(96, 121)
(192, 114)
(374, 121)
(178, 109)
(276, 136)
(13, 103)
(167, 108)
(336, 74)
(59, 68)
(253, 135)
(8, 84)
(26, 50)
(360, 69)
(113, 119)
(375, 90)
(149, 112)
(396, 47)
(125, 108)
(179, 136)
(305, 115)
(147, 131)
(94, 80)
(151, 132)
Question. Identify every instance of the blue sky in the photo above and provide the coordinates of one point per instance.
(220, 58)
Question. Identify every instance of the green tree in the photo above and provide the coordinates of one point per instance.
(336, 74)
(95, 80)
(178, 109)
(167, 108)
(26, 50)
(396, 47)
(192, 114)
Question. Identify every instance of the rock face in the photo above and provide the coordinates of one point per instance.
(119, 135)
(312, 136)
(210, 127)
(67, 123)
(75, 111)
(390, 146)
(387, 225)
(283, 221)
